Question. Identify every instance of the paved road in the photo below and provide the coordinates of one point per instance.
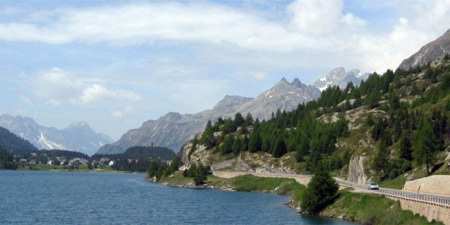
(428, 198)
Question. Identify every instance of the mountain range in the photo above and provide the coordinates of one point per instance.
(77, 137)
(174, 129)
(340, 77)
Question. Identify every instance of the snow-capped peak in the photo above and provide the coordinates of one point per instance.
(49, 144)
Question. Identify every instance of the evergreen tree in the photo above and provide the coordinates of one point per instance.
(302, 149)
(7, 160)
(229, 126)
(228, 144)
(280, 148)
(406, 147)
(255, 142)
(238, 120)
(321, 191)
(381, 159)
(249, 119)
(266, 145)
(237, 145)
(425, 146)
(207, 137)
(378, 129)
(244, 145)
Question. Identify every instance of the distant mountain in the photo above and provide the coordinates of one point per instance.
(283, 96)
(14, 144)
(77, 137)
(339, 77)
(174, 129)
(431, 52)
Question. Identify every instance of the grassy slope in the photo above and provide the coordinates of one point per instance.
(177, 179)
(371, 209)
(396, 183)
(281, 186)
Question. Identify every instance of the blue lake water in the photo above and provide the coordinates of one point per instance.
(59, 198)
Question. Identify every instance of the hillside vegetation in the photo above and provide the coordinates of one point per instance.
(14, 144)
(399, 121)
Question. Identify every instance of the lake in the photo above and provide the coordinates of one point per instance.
(89, 198)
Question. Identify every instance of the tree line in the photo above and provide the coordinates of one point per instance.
(409, 134)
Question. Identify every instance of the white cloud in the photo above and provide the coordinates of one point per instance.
(185, 22)
(57, 86)
(96, 92)
(322, 16)
(259, 76)
(121, 113)
(311, 27)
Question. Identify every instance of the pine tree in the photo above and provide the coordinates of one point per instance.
(249, 119)
(228, 144)
(237, 145)
(280, 148)
(255, 142)
(238, 120)
(406, 147)
(321, 191)
(381, 159)
(244, 146)
(207, 137)
(425, 146)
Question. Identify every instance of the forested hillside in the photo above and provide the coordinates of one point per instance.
(13, 144)
(397, 121)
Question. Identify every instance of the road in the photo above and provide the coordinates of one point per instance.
(427, 198)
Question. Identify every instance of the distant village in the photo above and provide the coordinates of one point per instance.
(137, 159)
(65, 162)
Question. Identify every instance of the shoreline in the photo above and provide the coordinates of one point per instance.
(354, 208)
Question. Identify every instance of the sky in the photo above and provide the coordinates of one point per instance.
(115, 64)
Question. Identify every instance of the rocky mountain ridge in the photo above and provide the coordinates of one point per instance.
(174, 129)
(77, 136)
(431, 52)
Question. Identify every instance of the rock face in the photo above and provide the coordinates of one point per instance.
(438, 184)
(77, 137)
(339, 77)
(246, 162)
(431, 52)
(356, 170)
(175, 129)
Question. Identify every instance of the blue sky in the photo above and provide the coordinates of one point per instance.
(115, 64)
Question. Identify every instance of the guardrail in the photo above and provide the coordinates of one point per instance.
(435, 200)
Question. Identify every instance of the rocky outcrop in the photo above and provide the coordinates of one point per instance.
(356, 170)
(175, 129)
(246, 162)
(431, 52)
(437, 184)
